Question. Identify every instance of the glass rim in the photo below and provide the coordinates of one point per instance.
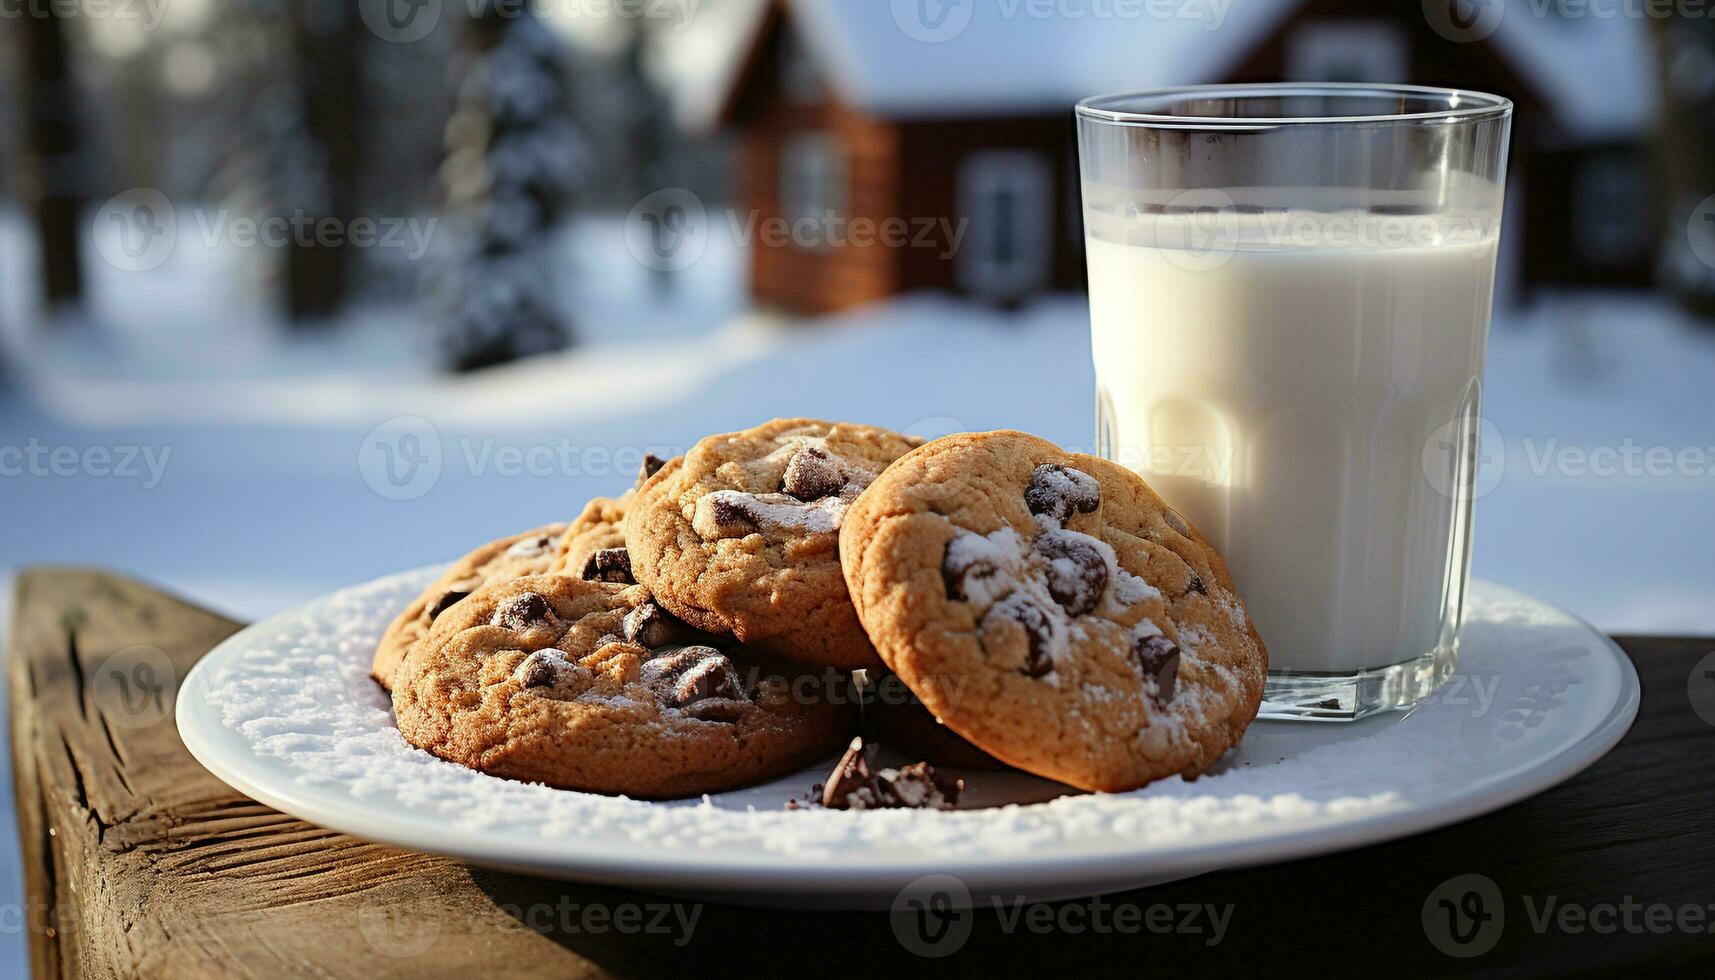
(1106, 108)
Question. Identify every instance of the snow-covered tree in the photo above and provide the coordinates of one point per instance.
(514, 158)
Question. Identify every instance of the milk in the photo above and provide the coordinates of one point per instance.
(1305, 391)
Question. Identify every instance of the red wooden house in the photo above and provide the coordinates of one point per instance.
(952, 119)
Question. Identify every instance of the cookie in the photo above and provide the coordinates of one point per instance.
(592, 686)
(1051, 609)
(741, 535)
(530, 553)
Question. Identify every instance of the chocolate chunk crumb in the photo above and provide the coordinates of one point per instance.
(609, 565)
(856, 784)
(651, 465)
(812, 474)
(1197, 585)
(919, 786)
(851, 786)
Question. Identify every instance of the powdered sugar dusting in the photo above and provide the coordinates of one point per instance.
(295, 694)
(774, 510)
(1002, 551)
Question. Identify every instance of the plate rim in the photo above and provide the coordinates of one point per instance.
(571, 858)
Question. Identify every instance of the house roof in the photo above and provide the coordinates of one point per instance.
(878, 56)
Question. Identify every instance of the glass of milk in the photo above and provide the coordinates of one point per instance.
(1289, 302)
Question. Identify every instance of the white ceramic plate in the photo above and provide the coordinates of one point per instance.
(284, 711)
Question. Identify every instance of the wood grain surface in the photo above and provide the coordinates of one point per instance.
(139, 863)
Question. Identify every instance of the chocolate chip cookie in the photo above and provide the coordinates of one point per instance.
(741, 536)
(592, 686)
(530, 553)
(1051, 609)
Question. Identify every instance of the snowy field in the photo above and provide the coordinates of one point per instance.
(260, 476)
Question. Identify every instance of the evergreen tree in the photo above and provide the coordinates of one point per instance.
(514, 158)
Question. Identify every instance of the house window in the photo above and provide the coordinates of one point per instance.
(1347, 51)
(1610, 208)
(1007, 198)
(813, 175)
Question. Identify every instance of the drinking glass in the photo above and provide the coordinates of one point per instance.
(1290, 288)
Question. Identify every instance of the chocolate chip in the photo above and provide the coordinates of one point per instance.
(919, 786)
(539, 671)
(690, 675)
(856, 784)
(812, 474)
(1159, 658)
(531, 546)
(445, 602)
(1077, 571)
(651, 626)
(651, 465)
(1038, 630)
(521, 612)
(1058, 492)
(1197, 585)
(721, 515)
(960, 567)
(710, 677)
(609, 565)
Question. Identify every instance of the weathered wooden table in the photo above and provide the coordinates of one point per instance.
(138, 862)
